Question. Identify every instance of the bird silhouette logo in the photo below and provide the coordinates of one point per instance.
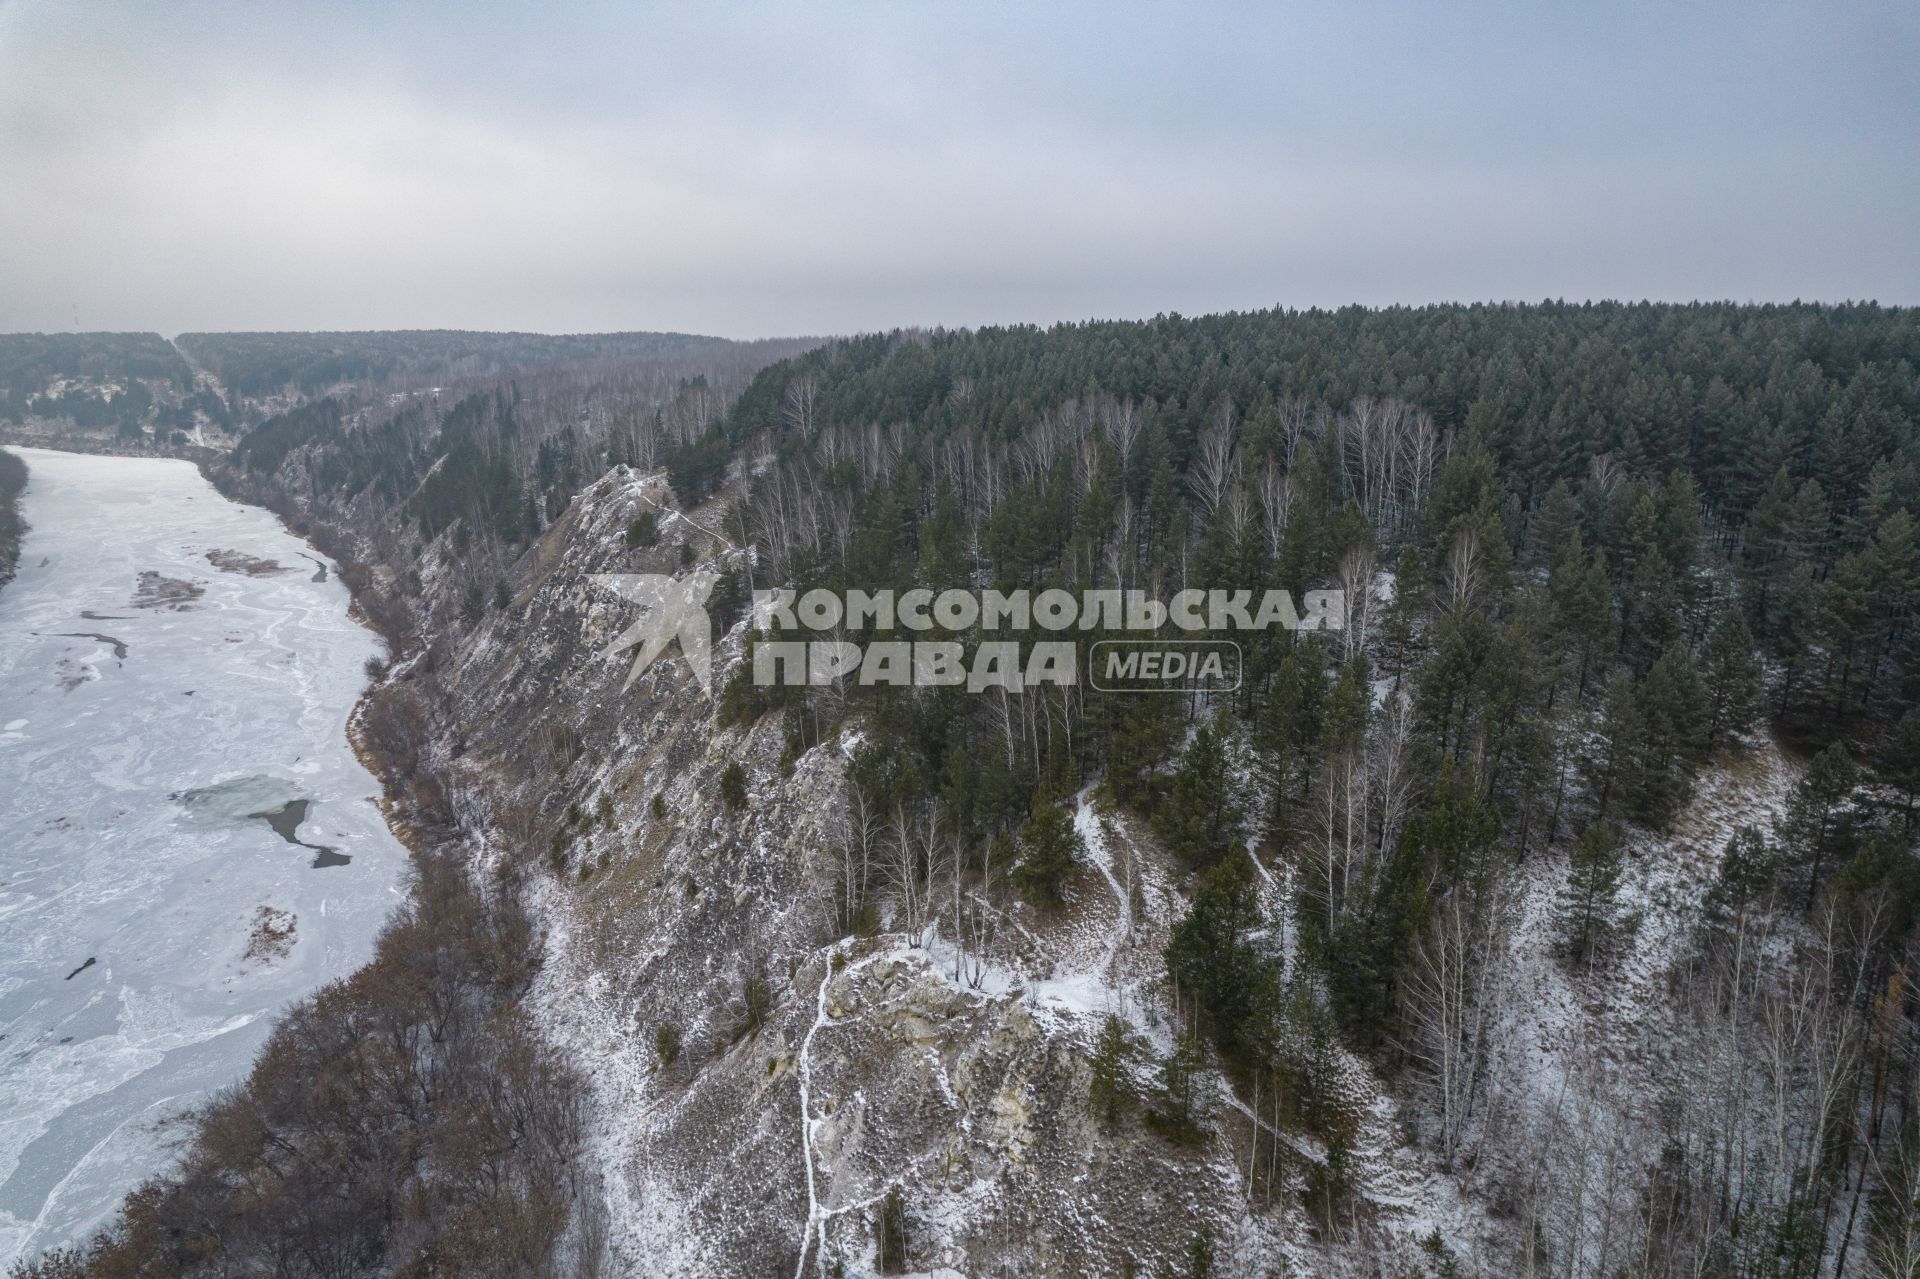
(670, 608)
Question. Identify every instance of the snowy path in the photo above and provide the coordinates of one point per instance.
(814, 1239)
(1093, 836)
(814, 1223)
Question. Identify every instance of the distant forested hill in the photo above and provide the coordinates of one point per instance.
(34, 368)
(28, 361)
(256, 364)
(137, 391)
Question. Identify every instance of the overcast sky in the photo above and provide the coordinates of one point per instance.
(753, 170)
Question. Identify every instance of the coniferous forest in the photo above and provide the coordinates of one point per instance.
(1088, 640)
(1623, 581)
(1590, 551)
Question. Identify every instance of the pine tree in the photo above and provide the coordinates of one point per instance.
(1611, 770)
(1652, 618)
(1764, 545)
(1810, 526)
(1635, 518)
(1721, 429)
(1896, 567)
(644, 532)
(733, 785)
(1679, 504)
(1050, 848)
(1201, 816)
(1288, 734)
(1673, 720)
(1583, 612)
(1898, 764)
(473, 605)
(1349, 706)
(1556, 528)
(1730, 677)
(1185, 1103)
(1895, 561)
(1212, 953)
(1797, 627)
(1109, 1093)
(1853, 626)
(1143, 738)
(1818, 827)
(1588, 904)
(1747, 870)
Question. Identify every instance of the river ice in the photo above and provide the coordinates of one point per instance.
(142, 751)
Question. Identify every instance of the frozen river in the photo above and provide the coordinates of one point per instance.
(186, 840)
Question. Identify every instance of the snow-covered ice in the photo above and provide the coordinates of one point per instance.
(141, 744)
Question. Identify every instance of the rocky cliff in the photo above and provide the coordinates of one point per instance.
(760, 1084)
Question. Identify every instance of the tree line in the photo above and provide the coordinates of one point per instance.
(1589, 551)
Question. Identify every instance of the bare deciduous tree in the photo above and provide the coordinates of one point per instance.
(1216, 460)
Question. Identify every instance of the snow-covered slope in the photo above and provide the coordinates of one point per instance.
(888, 1061)
(761, 1083)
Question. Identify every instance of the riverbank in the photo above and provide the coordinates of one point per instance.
(258, 1171)
(138, 754)
(61, 439)
(13, 526)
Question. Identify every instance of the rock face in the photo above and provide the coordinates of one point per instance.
(810, 1074)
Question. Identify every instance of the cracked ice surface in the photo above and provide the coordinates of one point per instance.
(105, 858)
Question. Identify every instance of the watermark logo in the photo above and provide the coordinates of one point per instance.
(962, 653)
(670, 608)
(1165, 666)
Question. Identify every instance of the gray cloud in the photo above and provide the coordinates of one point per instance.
(788, 168)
